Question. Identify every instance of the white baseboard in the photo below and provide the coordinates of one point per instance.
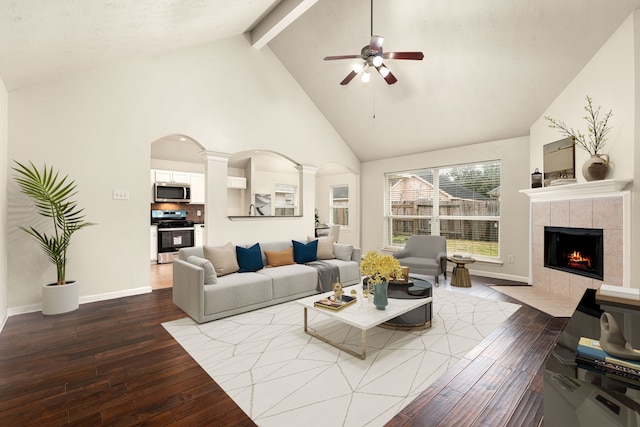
(494, 275)
(117, 294)
(12, 311)
(4, 321)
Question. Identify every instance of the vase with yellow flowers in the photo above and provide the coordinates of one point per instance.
(379, 269)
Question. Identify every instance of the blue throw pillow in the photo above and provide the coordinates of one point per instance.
(303, 253)
(249, 259)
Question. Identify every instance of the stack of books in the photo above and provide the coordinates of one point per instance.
(590, 355)
(330, 303)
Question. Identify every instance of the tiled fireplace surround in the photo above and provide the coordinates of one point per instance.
(586, 205)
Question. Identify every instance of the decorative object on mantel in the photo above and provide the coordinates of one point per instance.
(597, 166)
(563, 181)
(536, 179)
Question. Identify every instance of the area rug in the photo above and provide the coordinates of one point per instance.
(553, 305)
(281, 376)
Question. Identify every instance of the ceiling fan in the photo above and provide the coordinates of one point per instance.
(372, 56)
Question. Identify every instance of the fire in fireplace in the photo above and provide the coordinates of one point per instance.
(575, 250)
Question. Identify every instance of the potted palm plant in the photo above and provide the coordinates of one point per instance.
(52, 195)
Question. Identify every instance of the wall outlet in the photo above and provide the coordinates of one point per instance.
(510, 259)
(198, 213)
(120, 194)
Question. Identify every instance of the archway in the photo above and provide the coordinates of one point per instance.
(177, 158)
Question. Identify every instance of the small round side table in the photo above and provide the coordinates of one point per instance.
(460, 275)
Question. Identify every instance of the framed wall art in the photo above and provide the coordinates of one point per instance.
(559, 161)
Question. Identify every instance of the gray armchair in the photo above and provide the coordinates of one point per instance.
(425, 255)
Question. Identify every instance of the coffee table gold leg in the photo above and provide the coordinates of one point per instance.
(335, 344)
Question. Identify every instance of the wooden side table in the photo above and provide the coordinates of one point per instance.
(460, 275)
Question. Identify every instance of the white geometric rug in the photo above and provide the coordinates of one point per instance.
(281, 376)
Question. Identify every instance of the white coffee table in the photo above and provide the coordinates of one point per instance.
(362, 315)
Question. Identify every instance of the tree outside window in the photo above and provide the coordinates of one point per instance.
(339, 208)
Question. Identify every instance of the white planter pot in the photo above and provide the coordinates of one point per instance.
(59, 299)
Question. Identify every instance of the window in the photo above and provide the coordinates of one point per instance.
(285, 200)
(459, 202)
(339, 209)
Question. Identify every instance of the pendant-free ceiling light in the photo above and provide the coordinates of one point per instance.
(366, 76)
(377, 61)
(358, 67)
(384, 71)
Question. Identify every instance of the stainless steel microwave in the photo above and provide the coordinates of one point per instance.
(171, 192)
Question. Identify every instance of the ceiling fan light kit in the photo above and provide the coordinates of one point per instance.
(372, 55)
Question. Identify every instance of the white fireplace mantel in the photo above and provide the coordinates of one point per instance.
(578, 190)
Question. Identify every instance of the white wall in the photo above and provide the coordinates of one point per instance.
(610, 78)
(514, 206)
(98, 126)
(3, 202)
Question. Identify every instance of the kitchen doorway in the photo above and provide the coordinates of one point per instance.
(182, 157)
(161, 276)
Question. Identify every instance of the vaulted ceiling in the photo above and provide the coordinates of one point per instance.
(491, 67)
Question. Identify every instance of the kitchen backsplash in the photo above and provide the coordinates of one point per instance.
(192, 210)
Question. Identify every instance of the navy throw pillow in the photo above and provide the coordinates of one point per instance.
(305, 252)
(249, 259)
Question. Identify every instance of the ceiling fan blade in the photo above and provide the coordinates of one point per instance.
(331, 58)
(389, 78)
(404, 55)
(349, 77)
(376, 43)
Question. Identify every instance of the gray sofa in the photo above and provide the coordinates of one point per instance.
(240, 292)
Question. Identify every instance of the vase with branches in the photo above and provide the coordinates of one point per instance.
(593, 142)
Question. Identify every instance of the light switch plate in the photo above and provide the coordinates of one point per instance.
(120, 194)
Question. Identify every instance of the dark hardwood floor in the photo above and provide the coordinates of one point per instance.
(111, 362)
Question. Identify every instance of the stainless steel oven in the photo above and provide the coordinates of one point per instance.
(174, 232)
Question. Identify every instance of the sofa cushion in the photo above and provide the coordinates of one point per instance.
(343, 251)
(305, 252)
(325, 247)
(210, 277)
(223, 258)
(237, 290)
(291, 279)
(249, 259)
(349, 270)
(277, 259)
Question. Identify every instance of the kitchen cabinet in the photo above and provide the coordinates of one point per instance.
(173, 176)
(199, 235)
(197, 188)
(153, 244)
(237, 182)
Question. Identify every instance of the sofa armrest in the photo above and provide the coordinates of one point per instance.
(356, 255)
(441, 259)
(188, 289)
(401, 253)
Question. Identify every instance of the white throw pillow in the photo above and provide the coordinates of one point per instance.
(210, 277)
(223, 258)
(325, 247)
(343, 251)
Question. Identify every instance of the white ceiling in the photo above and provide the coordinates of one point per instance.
(491, 67)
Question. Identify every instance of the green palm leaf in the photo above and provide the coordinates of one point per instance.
(52, 198)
